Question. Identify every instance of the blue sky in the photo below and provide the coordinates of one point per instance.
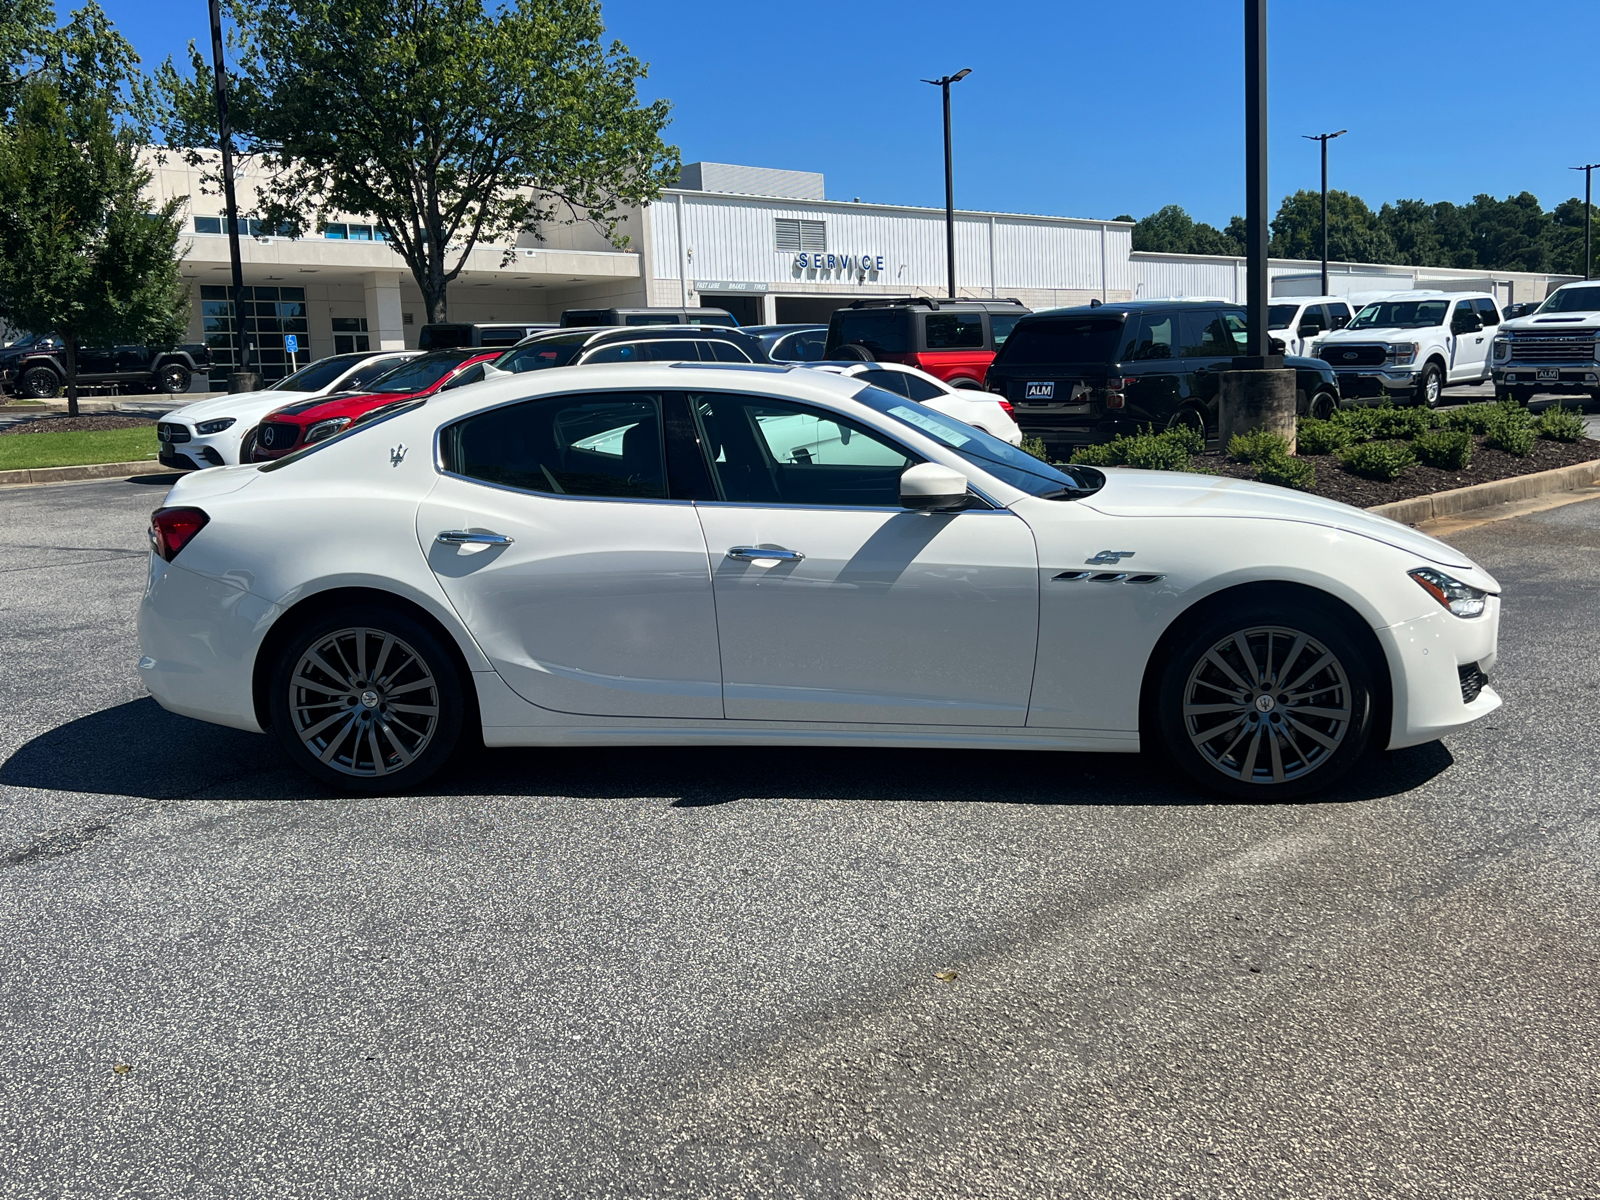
(1094, 109)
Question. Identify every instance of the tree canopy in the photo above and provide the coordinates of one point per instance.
(1514, 234)
(446, 123)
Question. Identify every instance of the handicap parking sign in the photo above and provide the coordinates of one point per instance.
(291, 344)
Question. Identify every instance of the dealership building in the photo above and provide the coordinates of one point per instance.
(763, 243)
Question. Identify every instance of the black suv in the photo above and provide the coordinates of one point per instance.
(1076, 376)
(952, 340)
(35, 367)
(649, 343)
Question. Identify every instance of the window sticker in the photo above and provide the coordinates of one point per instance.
(925, 422)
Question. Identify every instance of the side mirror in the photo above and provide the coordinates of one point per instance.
(930, 487)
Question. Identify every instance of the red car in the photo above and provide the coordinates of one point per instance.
(952, 340)
(297, 425)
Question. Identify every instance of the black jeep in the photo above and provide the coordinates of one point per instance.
(35, 368)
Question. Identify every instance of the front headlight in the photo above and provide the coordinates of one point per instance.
(1403, 354)
(1458, 597)
(1502, 349)
(325, 429)
(217, 426)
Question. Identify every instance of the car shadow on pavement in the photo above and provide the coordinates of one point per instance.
(140, 749)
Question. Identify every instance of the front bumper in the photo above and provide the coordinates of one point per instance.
(1370, 382)
(202, 450)
(1426, 660)
(1570, 377)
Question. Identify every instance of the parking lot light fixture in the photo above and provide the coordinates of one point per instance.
(1588, 179)
(1324, 138)
(943, 83)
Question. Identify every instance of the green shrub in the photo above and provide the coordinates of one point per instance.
(1447, 449)
(1286, 471)
(1390, 422)
(1377, 460)
(1362, 423)
(1036, 447)
(1474, 418)
(1169, 450)
(1322, 437)
(1514, 435)
(1562, 425)
(1257, 445)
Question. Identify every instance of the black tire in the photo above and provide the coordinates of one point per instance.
(39, 383)
(854, 352)
(173, 379)
(1189, 417)
(1323, 405)
(360, 698)
(247, 446)
(1430, 386)
(1205, 745)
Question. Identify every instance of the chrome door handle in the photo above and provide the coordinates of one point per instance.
(750, 552)
(460, 537)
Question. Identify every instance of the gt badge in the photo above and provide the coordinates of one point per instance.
(1109, 558)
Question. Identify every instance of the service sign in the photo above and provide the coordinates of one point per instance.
(838, 262)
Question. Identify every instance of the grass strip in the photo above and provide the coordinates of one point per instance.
(24, 451)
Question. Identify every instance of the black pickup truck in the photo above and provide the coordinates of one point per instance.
(34, 367)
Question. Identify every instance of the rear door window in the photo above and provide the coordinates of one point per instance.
(1158, 337)
(1203, 335)
(673, 351)
(881, 330)
(1487, 310)
(1313, 320)
(720, 351)
(1339, 314)
(953, 331)
(1001, 325)
(618, 352)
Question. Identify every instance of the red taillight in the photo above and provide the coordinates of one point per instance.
(1006, 407)
(171, 529)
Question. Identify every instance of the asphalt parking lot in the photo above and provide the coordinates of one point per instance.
(716, 973)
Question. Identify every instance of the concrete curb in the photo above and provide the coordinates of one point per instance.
(90, 471)
(1486, 495)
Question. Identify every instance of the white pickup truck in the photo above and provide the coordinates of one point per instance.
(1412, 345)
(1553, 349)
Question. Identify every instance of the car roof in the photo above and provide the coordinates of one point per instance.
(933, 304)
(590, 335)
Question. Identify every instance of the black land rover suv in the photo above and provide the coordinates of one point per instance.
(1076, 376)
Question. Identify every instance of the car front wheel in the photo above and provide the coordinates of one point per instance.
(1430, 386)
(367, 700)
(1323, 405)
(1268, 702)
(39, 383)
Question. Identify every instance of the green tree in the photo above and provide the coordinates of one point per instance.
(1566, 236)
(1171, 230)
(446, 123)
(85, 59)
(81, 254)
(1354, 233)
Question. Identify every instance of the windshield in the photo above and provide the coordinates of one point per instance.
(1062, 341)
(29, 340)
(988, 453)
(1402, 314)
(548, 352)
(1572, 299)
(1279, 315)
(418, 374)
(318, 375)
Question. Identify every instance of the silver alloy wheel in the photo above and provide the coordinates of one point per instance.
(1267, 704)
(1432, 389)
(363, 702)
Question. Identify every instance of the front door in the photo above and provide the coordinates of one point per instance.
(556, 535)
(834, 603)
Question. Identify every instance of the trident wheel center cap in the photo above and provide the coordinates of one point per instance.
(369, 698)
(1264, 704)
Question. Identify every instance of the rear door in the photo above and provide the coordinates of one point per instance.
(1207, 351)
(1153, 368)
(1469, 344)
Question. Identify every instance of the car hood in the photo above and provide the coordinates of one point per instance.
(1378, 333)
(340, 404)
(1132, 493)
(246, 405)
(1571, 322)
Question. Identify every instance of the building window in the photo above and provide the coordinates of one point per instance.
(247, 228)
(346, 231)
(407, 318)
(800, 237)
(208, 224)
(268, 313)
(350, 335)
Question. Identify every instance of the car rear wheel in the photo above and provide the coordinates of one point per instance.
(39, 383)
(173, 379)
(1268, 702)
(854, 352)
(1430, 386)
(367, 700)
(1189, 418)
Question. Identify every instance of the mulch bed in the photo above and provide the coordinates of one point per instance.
(1334, 482)
(79, 424)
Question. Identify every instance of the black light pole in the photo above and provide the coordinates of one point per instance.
(1255, 175)
(225, 144)
(949, 176)
(1588, 173)
(1324, 138)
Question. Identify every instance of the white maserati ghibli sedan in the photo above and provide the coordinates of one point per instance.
(717, 555)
